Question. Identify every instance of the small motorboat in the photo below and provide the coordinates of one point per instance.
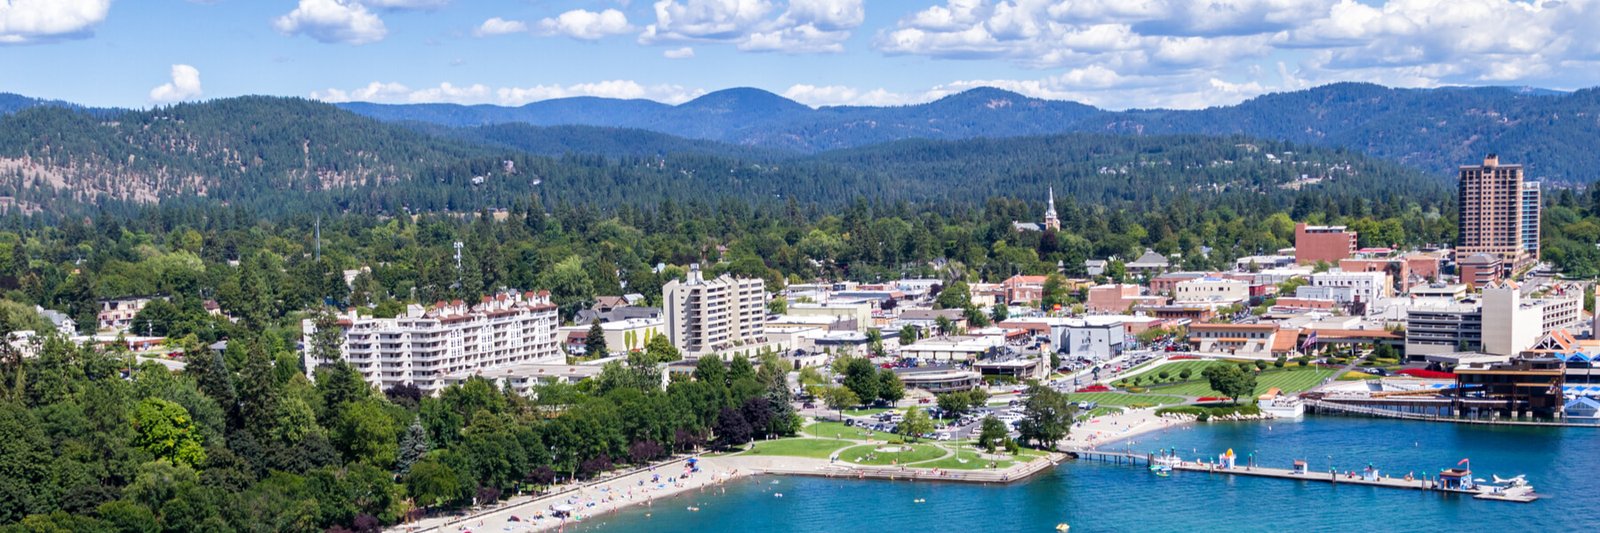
(1063, 527)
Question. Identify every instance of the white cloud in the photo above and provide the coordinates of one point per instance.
(834, 95)
(586, 25)
(34, 21)
(511, 96)
(407, 4)
(185, 85)
(1192, 53)
(500, 26)
(678, 53)
(801, 26)
(333, 21)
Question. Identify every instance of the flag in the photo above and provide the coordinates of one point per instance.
(1311, 340)
(1462, 462)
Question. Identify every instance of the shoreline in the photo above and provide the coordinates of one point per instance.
(646, 486)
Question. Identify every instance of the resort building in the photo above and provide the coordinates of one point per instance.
(1326, 244)
(1499, 212)
(704, 316)
(1503, 322)
(424, 346)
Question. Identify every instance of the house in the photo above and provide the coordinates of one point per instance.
(1095, 267)
(1023, 289)
(1150, 263)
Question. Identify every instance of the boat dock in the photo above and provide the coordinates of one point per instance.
(1428, 485)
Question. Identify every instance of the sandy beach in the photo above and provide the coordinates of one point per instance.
(1120, 429)
(586, 502)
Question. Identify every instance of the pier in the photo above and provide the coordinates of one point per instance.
(1328, 407)
(1428, 485)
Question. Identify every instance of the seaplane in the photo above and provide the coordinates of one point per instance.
(1509, 482)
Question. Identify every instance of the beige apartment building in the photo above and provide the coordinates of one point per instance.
(706, 316)
(1499, 213)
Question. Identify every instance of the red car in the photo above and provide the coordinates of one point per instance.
(924, 400)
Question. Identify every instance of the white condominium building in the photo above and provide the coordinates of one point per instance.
(707, 316)
(423, 346)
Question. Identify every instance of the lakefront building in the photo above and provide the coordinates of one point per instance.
(424, 345)
(705, 316)
(1499, 213)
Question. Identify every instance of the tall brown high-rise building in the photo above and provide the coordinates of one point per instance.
(1499, 213)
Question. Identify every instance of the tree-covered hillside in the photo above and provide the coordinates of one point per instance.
(283, 156)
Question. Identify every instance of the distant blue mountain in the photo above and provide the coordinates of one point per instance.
(1554, 133)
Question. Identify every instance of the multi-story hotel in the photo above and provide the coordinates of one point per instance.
(1499, 213)
(706, 316)
(423, 346)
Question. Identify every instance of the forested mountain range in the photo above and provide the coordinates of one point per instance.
(1432, 129)
(286, 155)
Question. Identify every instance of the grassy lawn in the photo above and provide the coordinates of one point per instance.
(973, 462)
(918, 452)
(1290, 380)
(1099, 411)
(837, 430)
(1118, 398)
(798, 447)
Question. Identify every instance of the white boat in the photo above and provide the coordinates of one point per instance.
(1281, 405)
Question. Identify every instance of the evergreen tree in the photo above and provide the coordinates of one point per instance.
(594, 343)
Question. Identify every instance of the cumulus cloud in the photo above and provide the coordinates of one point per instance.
(586, 25)
(346, 21)
(499, 26)
(35, 21)
(799, 26)
(678, 53)
(835, 95)
(389, 92)
(333, 21)
(1200, 52)
(185, 85)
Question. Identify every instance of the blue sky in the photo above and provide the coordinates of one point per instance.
(1110, 53)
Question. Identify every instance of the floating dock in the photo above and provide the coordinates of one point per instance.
(1427, 485)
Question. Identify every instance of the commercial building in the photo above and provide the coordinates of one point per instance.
(1362, 286)
(1211, 289)
(1326, 244)
(856, 315)
(1480, 270)
(424, 346)
(1118, 298)
(1502, 322)
(951, 349)
(705, 316)
(623, 335)
(1499, 212)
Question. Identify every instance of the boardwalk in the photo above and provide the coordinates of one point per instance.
(1279, 473)
(1332, 407)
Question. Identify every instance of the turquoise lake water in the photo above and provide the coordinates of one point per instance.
(1562, 464)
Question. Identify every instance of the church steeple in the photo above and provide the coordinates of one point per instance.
(1050, 220)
